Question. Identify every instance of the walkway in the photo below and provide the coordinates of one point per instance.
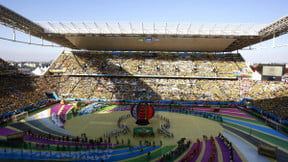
(248, 151)
(281, 155)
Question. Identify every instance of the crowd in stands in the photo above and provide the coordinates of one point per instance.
(166, 89)
(203, 65)
(277, 106)
(146, 88)
(19, 91)
(5, 68)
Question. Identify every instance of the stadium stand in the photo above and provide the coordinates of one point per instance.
(19, 91)
(6, 69)
(277, 106)
(200, 65)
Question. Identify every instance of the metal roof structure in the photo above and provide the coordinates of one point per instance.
(140, 28)
(138, 36)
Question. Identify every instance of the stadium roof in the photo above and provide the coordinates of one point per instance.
(134, 36)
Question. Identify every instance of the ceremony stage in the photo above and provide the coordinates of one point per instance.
(182, 126)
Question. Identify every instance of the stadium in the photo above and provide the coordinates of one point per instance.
(144, 92)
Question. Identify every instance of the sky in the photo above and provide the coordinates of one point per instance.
(196, 11)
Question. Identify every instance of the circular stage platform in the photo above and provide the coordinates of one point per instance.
(182, 126)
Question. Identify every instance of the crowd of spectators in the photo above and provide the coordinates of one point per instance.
(270, 96)
(6, 69)
(18, 91)
(145, 88)
(277, 106)
(203, 65)
(167, 88)
(131, 88)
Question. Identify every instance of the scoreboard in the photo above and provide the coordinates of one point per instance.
(273, 72)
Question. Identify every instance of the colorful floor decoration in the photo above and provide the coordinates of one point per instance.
(51, 121)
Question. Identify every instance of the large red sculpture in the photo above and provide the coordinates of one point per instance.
(142, 112)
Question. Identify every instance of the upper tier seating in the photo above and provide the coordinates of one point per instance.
(193, 65)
